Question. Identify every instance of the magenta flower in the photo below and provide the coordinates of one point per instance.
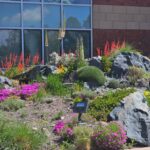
(58, 128)
(24, 90)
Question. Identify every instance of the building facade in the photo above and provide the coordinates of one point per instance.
(31, 27)
(121, 20)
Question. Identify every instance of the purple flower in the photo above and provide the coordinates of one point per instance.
(58, 128)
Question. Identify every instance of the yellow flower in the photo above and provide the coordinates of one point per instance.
(146, 93)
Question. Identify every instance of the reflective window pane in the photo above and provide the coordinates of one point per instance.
(51, 16)
(10, 15)
(10, 43)
(71, 42)
(77, 17)
(32, 15)
(10, 0)
(53, 1)
(52, 43)
(32, 0)
(32, 43)
(76, 1)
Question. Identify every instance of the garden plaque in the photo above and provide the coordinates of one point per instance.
(80, 107)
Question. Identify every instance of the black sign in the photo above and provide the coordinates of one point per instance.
(80, 107)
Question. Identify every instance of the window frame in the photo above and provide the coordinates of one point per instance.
(42, 28)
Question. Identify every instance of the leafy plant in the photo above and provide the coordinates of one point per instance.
(134, 73)
(110, 137)
(101, 107)
(39, 96)
(67, 146)
(54, 85)
(147, 96)
(106, 64)
(91, 74)
(82, 136)
(12, 104)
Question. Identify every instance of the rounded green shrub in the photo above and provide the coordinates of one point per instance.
(91, 74)
(114, 84)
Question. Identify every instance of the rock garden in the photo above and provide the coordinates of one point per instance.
(73, 103)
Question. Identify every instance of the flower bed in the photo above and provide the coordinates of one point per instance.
(111, 137)
(22, 91)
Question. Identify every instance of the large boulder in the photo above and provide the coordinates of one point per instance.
(134, 114)
(5, 81)
(125, 60)
(42, 70)
(95, 61)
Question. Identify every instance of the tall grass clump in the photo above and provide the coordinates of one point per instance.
(18, 136)
(54, 85)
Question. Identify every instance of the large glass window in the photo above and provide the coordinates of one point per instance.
(32, 0)
(32, 15)
(10, 0)
(51, 16)
(76, 1)
(10, 15)
(10, 43)
(51, 43)
(32, 43)
(77, 17)
(71, 42)
(53, 1)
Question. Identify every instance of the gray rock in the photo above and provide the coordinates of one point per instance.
(126, 59)
(95, 61)
(5, 81)
(134, 114)
(42, 70)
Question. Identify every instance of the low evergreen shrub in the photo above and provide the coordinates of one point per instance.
(114, 84)
(101, 107)
(91, 74)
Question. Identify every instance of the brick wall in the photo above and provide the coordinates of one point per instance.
(121, 17)
(113, 21)
(140, 39)
(123, 2)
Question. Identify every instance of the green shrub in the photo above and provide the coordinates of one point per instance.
(85, 94)
(54, 85)
(101, 107)
(134, 73)
(82, 137)
(39, 96)
(12, 104)
(106, 64)
(114, 84)
(67, 146)
(17, 136)
(91, 74)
